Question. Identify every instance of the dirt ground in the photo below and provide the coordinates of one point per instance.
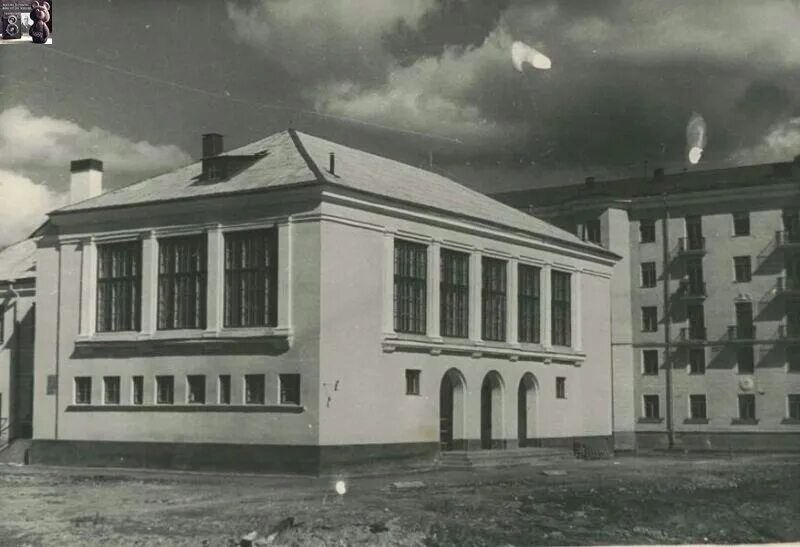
(645, 500)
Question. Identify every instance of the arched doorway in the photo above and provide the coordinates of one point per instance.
(491, 410)
(451, 409)
(526, 410)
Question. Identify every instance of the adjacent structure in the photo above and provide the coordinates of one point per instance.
(706, 301)
(298, 305)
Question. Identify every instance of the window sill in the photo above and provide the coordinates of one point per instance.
(790, 421)
(744, 421)
(696, 421)
(252, 408)
(651, 420)
(281, 335)
(482, 348)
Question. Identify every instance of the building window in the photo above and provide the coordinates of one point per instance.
(591, 231)
(254, 389)
(561, 309)
(791, 224)
(137, 390)
(649, 319)
(454, 286)
(412, 382)
(410, 287)
(83, 390)
(165, 390)
(745, 359)
(697, 361)
(289, 388)
(697, 407)
(694, 232)
(747, 407)
(742, 270)
(793, 357)
(493, 273)
(119, 285)
(561, 387)
(182, 283)
(528, 303)
(251, 278)
(647, 230)
(793, 401)
(196, 389)
(2, 324)
(650, 362)
(651, 409)
(648, 275)
(224, 389)
(111, 390)
(741, 223)
(697, 322)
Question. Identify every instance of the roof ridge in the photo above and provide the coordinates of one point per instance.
(301, 149)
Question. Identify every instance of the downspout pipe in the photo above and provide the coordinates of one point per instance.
(667, 325)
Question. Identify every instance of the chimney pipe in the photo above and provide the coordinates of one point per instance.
(332, 163)
(212, 145)
(86, 179)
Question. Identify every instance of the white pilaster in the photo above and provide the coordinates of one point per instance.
(388, 284)
(149, 283)
(475, 296)
(545, 298)
(577, 310)
(285, 259)
(216, 279)
(434, 292)
(88, 316)
(512, 301)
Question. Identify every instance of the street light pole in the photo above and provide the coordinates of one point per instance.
(667, 322)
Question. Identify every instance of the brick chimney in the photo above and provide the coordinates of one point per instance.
(212, 145)
(86, 179)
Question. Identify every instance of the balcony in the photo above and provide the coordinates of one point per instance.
(788, 285)
(692, 245)
(692, 334)
(787, 238)
(692, 290)
(741, 333)
(789, 331)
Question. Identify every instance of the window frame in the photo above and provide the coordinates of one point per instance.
(2, 324)
(282, 388)
(108, 381)
(561, 308)
(529, 304)
(646, 409)
(739, 268)
(201, 378)
(224, 388)
(648, 371)
(169, 381)
(78, 392)
(115, 291)
(410, 287)
(413, 381)
(647, 318)
(793, 404)
(168, 302)
(745, 218)
(137, 388)
(494, 299)
(747, 397)
(691, 367)
(246, 395)
(454, 297)
(751, 367)
(792, 357)
(645, 273)
(250, 292)
(561, 387)
(696, 397)
(592, 231)
(648, 223)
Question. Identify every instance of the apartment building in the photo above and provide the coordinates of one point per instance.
(706, 301)
(296, 304)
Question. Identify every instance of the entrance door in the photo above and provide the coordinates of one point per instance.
(486, 414)
(522, 414)
(446, 413)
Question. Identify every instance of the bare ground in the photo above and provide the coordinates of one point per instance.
(646, 500)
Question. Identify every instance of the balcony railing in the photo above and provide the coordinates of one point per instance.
(788, 285)
(692, 334)
(692, 245)
(789, 331)
(741, 333)
(787, 237)
(692, 289)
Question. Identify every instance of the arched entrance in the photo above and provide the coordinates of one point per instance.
(451, 408)
(526, 410)
(491, 410)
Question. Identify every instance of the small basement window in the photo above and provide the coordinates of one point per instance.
(412, 382)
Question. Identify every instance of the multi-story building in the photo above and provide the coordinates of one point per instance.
(297, 304)
(706, 301)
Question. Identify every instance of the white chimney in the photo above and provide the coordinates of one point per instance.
(86, 179)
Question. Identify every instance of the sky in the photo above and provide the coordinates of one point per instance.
(135, 84)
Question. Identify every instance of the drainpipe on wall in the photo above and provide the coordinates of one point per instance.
(667, 323)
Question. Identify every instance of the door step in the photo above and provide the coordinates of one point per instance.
(468, 459)
(15, 452)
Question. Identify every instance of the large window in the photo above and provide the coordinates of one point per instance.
(254, 389)
(165, 390)
(290, 389)
(137, 390)
(745, 359)
(649, 319)
(651, 407)
(697, 361)
(111, 390)
(650, 362)
(2, 323)
(793, 401)
(412, 382)
(182, 283)
(196, 389)
(648, 275)
(83, 390)
(742, 269)
(119, 282)
(454, 301)
(494, 299)
(697, 407)
(224, 389)
(561, 313)
(647, 230)
(747, 407)
(591, 231)
(410, 287)
(741, 223)
(793, 357)
(251, 279)
(528, 304)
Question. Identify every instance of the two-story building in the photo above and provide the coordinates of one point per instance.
(296, 304)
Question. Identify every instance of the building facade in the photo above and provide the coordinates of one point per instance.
(299, 305)
(706, 302)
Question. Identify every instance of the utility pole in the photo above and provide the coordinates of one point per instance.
(667, 322)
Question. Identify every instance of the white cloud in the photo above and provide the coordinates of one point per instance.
(781, 143)
(23, 206)
(41, 142)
